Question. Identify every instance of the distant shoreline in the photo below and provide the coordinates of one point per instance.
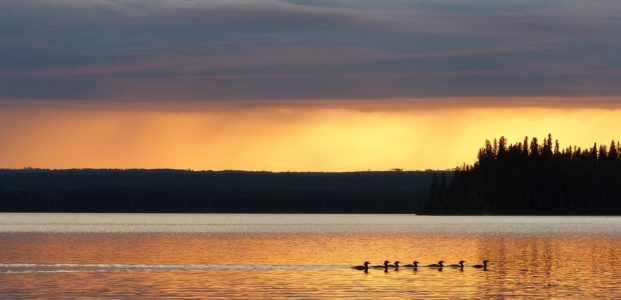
(182, 191)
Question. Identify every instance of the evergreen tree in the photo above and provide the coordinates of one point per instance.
(502, 147)
(534, 147)
(613, 153)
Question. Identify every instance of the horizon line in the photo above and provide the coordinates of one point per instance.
(395, 170)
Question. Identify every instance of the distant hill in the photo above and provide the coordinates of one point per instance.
(94, 190)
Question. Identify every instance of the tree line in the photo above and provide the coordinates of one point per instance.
(35, 190)
(530, 177)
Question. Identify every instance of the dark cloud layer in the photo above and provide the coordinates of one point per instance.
(223, 50)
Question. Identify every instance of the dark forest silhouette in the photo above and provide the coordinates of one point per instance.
(532, 178)
(33, 190)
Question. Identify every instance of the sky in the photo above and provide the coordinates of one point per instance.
(300, 85)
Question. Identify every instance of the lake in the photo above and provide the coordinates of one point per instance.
(242, 256)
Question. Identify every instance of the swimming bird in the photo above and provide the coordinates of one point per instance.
(396, 265)
(364, 267)
(459, 265)
(482, 266)
(413, 265)
(439, 265)
(384, 266)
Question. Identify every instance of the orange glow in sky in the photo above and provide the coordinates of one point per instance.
(279, 138)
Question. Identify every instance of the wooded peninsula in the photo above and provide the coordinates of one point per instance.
(532, 178)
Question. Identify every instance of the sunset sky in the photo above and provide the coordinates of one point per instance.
(300, 85)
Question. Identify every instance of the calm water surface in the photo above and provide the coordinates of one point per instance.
(305, 256)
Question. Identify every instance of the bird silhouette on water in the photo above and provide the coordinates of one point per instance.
(414, 265)
(459, 265)
(364, 267)
(482, 266)
(384, 266)
(439, 265)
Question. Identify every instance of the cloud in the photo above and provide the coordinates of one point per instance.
(264, 50)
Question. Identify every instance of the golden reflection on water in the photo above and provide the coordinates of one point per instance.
(523, 265)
